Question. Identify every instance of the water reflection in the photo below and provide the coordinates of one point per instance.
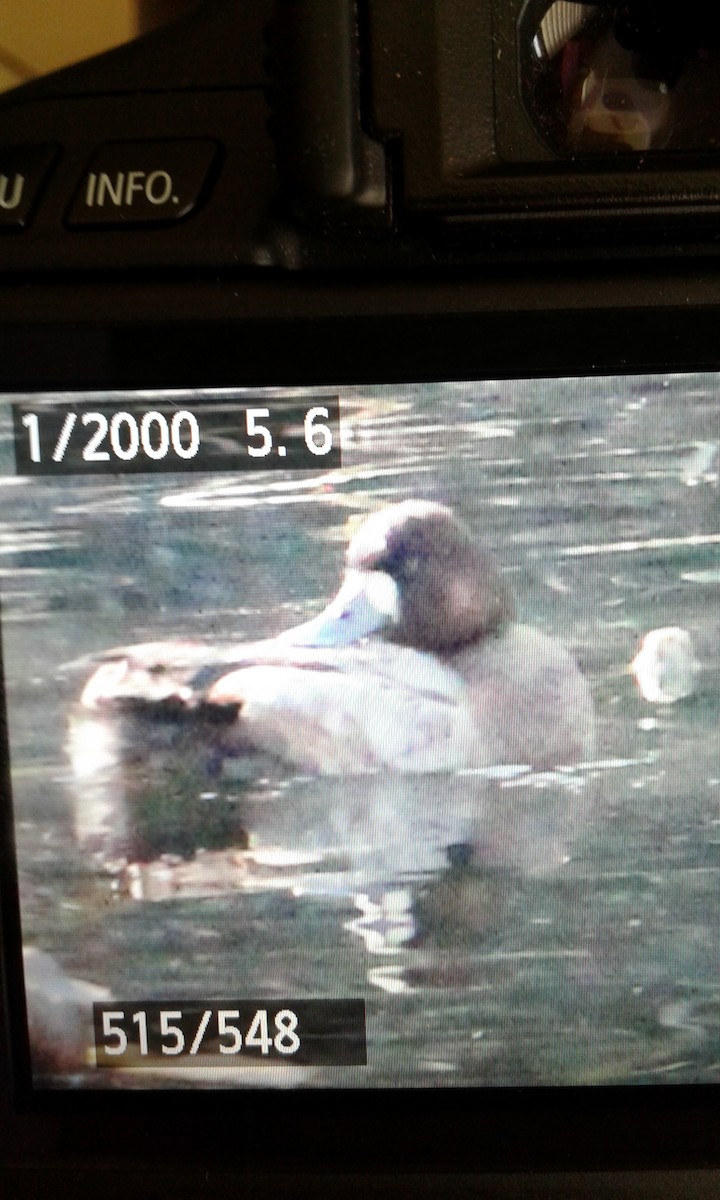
(137, 800)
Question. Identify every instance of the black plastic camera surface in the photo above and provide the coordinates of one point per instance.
(325, 134)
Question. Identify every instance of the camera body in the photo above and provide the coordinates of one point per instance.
(329, 137)
(286, 195)
(368, 162)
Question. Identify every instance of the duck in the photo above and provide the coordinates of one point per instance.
(418, 664)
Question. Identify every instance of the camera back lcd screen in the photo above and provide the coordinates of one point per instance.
(366, 736)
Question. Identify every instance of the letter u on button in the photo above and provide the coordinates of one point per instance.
(23, 173)
(11, 191)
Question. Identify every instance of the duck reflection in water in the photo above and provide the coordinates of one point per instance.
(417, 666)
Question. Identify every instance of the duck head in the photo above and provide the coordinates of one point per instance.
(414, 574)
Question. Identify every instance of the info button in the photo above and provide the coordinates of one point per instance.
(136, 183)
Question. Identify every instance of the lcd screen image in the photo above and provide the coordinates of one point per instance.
(366, 736)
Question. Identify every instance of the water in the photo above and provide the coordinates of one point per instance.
(580, 943)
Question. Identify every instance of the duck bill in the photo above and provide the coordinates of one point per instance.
(366, 603)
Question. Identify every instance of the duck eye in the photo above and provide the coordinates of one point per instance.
(390, 564)
(399, 565)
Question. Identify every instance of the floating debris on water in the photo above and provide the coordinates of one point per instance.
(666, 667)
(703, 466)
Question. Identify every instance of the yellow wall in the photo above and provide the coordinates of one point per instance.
(42, 35)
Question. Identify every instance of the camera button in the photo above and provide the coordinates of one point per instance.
(23, 171)
(141, 183)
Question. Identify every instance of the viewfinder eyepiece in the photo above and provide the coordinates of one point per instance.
(609, 78)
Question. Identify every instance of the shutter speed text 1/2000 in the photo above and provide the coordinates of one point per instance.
(101, 439)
